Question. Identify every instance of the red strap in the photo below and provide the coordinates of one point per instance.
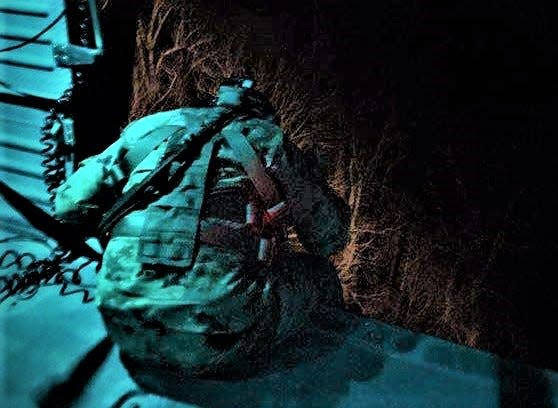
(234, 235)
(253, 167)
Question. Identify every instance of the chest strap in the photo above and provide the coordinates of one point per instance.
(266, 222)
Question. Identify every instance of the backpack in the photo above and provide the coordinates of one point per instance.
(171, 225)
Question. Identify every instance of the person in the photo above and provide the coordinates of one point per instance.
(202, 281)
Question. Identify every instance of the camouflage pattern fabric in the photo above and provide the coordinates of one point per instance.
(223, 314)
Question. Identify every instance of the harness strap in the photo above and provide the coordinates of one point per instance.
(263, 223)
(253, 167)
(256, 234)
(226, 234)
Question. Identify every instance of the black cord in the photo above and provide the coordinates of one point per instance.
(127, 397)
(41, 272)
(34, 273)
(36, 36)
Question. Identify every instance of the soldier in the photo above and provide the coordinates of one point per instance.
(201, 281)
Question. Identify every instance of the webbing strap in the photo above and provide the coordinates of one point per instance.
(253, 167)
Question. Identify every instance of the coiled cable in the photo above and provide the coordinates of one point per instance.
(54, 150)
(34, 273)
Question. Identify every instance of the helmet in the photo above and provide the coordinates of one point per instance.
(238, 82)
(235, 90)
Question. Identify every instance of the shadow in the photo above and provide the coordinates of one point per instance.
(68, 392)
(313, 368)
(522, 386)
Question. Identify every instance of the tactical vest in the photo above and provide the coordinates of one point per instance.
(170, 228)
